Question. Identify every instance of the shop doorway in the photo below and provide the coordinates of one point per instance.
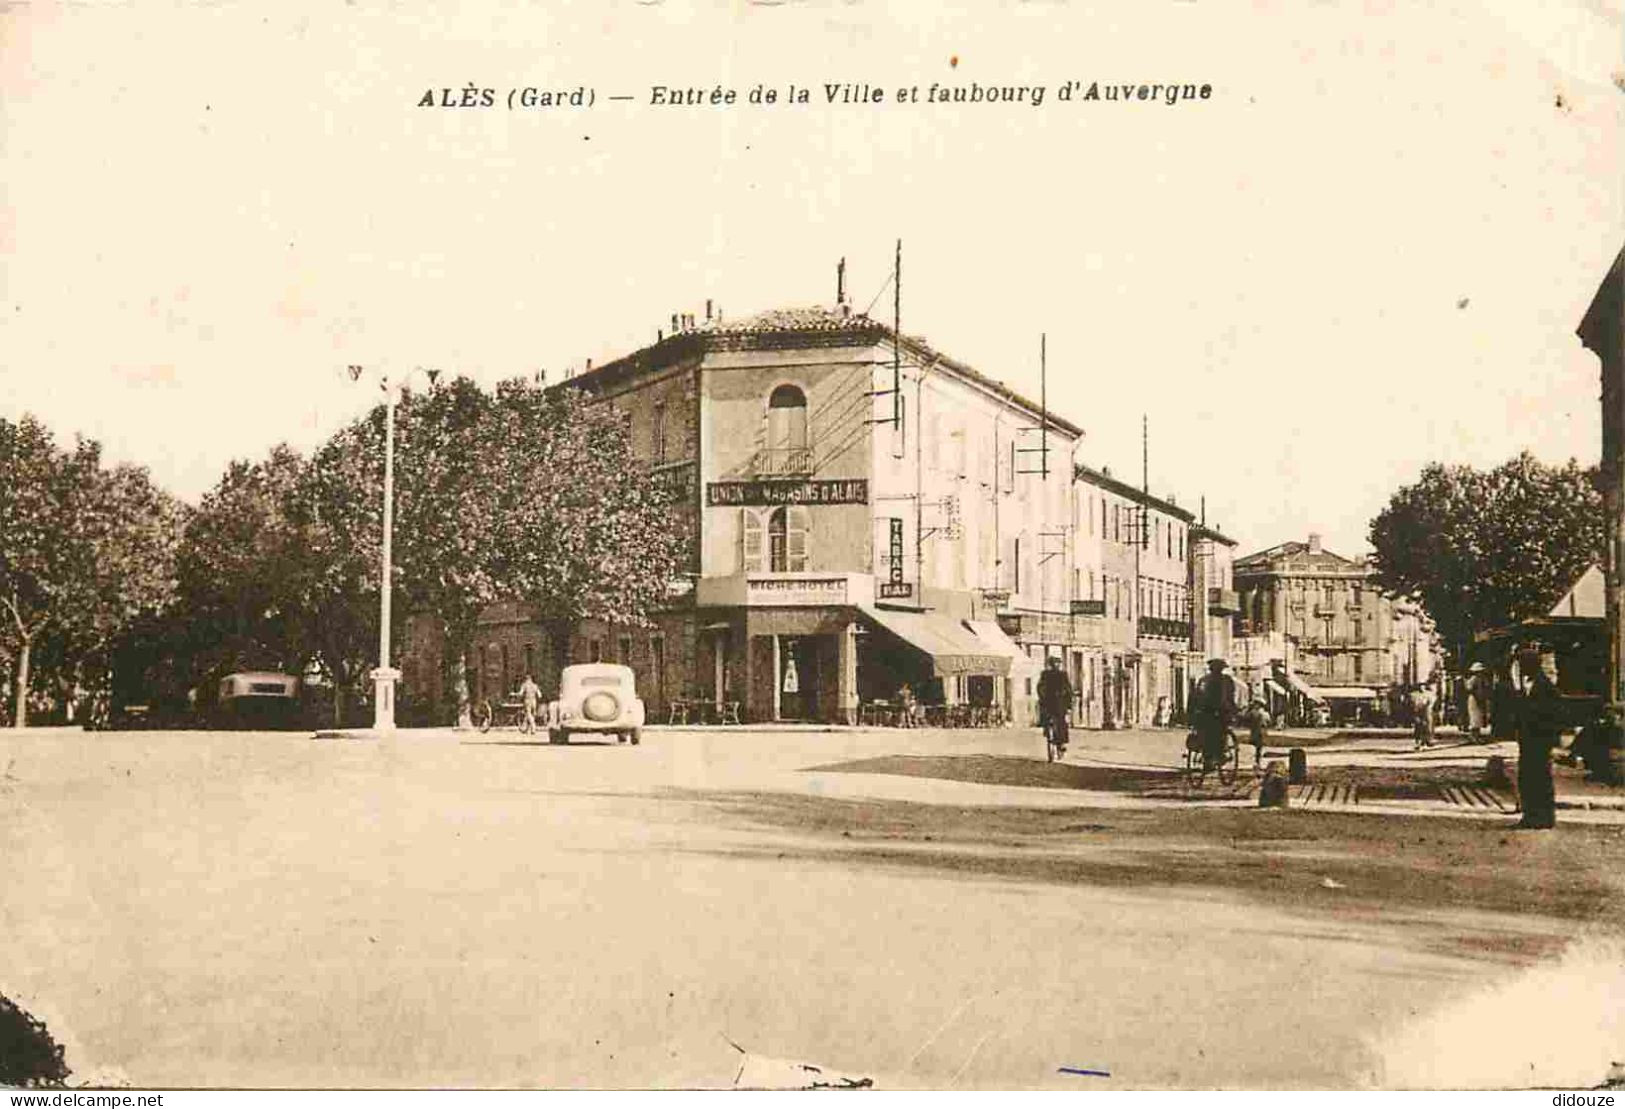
(797, 678)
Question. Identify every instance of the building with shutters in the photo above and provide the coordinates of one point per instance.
(868, 512)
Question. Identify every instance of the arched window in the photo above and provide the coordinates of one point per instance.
(787, 539)
(787, 421)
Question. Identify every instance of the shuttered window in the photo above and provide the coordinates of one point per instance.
(750, 525)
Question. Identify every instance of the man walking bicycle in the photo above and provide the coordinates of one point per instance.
(1213, 710)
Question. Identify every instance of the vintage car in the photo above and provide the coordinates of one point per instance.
(596, 697)
(259, 699)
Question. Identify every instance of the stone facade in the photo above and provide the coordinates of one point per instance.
(1348, 634)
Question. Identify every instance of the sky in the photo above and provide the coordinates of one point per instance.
(1366, 251)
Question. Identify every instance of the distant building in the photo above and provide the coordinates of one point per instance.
(1356, 648)
(1135, 582)
(1213, 581)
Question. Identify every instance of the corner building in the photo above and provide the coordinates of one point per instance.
(868, 513)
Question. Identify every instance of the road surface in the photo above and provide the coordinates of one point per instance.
(203, 909)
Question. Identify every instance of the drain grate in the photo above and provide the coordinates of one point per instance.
(1478, 798)
(1321, 796)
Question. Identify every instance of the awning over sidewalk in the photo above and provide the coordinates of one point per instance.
(1021, 663)
(1303, 687)
(1344, 693)
(952, 649)
(1274, 687)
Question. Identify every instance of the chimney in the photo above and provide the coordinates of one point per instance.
(674, 323)
(708, 311)
(589, 365)
(840, 284)
(1314, 542)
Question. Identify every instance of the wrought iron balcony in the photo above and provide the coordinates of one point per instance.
(1157, 628)
(784, 462)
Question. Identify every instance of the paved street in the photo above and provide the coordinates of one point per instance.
(470, 910)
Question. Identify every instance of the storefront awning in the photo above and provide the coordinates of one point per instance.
(989, 632)
(1271, 685)
(1345, 693)
(1303, 687)
(953, 650)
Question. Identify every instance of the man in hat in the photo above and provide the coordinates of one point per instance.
(1213, 710)
(1540, 724)
(1477, 697)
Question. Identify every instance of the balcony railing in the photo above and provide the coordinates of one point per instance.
(1223, 602)
(1158, 628)
(784, 462)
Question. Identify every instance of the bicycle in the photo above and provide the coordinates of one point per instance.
(1055, 739)
(1197, 766)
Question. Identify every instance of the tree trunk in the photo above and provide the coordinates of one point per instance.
(558, 639)
(460, 694)
(20, 719)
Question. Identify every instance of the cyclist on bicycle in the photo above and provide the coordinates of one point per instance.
(1054, 701)
(1213, 710)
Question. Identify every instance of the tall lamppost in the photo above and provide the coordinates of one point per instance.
(385, 676)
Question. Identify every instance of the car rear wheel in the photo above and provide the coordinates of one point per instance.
(637, 736)
(557, 735)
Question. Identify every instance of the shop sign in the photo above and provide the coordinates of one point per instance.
(821, 491)
(892, 590)
(796, 591)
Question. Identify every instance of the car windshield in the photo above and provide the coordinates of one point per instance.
(601, 680)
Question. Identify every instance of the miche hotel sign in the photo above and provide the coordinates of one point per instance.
(744, 493)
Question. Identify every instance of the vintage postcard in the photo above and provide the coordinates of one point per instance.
(702, 546)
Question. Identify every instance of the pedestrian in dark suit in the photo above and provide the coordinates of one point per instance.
(1539, 725)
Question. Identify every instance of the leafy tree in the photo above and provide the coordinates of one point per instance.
(237, 560)
(1487, 548)
(583, 532)
(446, 519)
(83, 551)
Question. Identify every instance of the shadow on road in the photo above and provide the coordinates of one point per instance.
(1437, 878)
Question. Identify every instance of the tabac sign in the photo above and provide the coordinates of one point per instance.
(823, 491)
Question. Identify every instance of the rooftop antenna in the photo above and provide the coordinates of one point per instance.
(896, 390)
(1042, 450)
